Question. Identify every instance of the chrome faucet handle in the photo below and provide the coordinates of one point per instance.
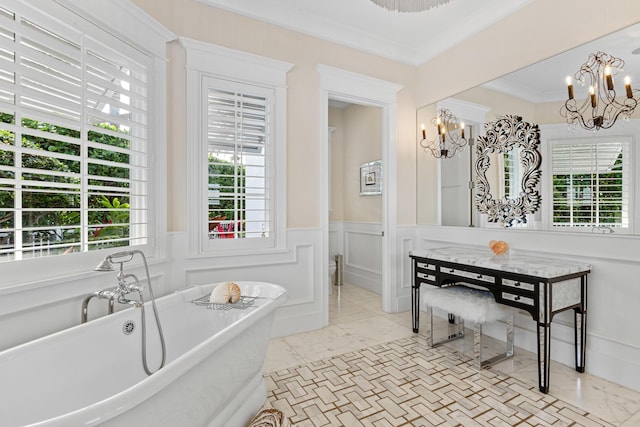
(108, 293)
(135, 303)
(133, 286)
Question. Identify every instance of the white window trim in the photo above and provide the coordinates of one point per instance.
(120, 19)
(557, 133)
(205, 59)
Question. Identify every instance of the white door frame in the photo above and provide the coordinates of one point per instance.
(359, 89)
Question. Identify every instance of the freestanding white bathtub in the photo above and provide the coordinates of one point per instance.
(92, 374)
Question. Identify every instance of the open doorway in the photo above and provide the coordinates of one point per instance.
(356, 180)
(358, 89)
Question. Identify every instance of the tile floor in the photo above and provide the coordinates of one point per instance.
(367, 368)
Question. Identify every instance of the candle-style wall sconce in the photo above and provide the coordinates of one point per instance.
(450, 136)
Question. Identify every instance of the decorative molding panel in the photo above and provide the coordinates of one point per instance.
(363, 255)
(297, 268)
(298, 280)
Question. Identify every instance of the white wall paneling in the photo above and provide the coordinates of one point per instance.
(406, 242)
(41, 308)
(363, 255)
(360, 243)
(297, 268)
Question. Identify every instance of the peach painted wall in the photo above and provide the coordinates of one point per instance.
(198, 21)
(357, 140)
(362, 144)
(541, 29)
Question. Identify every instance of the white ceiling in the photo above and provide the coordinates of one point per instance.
(545, 80)
(414, 38)
(410, 38)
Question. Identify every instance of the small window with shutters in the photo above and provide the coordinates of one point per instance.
(591, 185)
(73, 139)
(236, 128)
(238, 157)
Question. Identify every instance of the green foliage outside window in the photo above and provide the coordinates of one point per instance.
(62, 225)
(591, 198)
(227, 179)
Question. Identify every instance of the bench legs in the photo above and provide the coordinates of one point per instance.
(477, 345)
(456, 330)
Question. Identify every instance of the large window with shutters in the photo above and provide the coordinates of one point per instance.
(591, 184)
(73, 139)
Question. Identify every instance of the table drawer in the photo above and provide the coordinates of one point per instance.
(425, 266)
(468, 274)
(518, 284)
(425, 276)
(517, 298)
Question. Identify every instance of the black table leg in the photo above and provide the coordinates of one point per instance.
(415, 307)
(580, 327)
(544, 356)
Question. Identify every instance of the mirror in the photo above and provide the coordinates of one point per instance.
(535, 93)
(508, 156)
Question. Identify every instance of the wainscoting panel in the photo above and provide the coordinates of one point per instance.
(363, 255)
(296, 268)
(405, 243)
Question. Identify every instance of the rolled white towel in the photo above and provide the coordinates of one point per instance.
(225, 293)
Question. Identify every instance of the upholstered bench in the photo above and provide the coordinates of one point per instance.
(473, 305)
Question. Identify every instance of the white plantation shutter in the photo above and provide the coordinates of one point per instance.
(238, 141)
(591, 184)
(236, 128)
(73, 152)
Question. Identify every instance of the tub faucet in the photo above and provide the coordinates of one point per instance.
(118, 294)
(84, 316)
(127, 283)
(125, 287)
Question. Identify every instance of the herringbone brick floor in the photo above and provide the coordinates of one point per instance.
(406, 383)
(367, 368)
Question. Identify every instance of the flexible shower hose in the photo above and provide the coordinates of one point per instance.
(144, 327)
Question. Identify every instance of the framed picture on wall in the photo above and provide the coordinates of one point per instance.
(371, 178)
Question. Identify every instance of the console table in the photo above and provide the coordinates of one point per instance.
(540, 286)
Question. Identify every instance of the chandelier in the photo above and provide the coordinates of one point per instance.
(602, 107)
(409, 5)
(450, 138)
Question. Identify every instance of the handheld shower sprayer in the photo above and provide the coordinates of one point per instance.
(125, 287)
(107, 263)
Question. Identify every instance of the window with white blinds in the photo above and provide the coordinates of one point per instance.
(591, 184)
(73, 147)
(238, 145)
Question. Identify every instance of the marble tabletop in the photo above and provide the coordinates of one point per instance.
(528, 264)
